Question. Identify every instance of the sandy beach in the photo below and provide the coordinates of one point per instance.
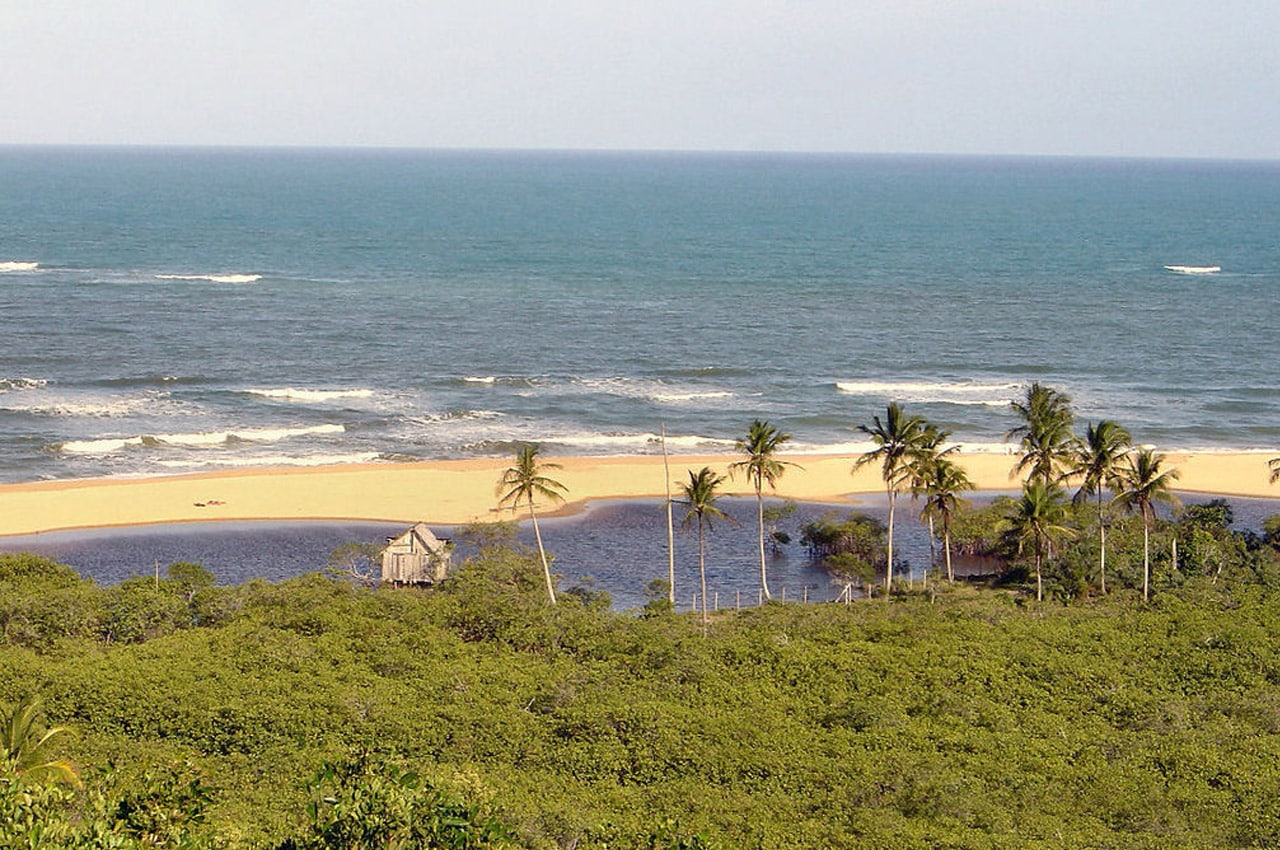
(454, 492)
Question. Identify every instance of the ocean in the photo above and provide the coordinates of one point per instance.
(178, 310)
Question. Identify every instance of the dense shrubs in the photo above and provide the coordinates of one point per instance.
(273, 716)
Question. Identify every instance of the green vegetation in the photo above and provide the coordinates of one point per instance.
(321, 713)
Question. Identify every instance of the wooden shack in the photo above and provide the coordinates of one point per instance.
(416, 557)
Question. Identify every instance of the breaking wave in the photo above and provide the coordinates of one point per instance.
(934, 392)
(11, 267)
(213, 278)
(22, 384)
(274, 460)
(115, 445)
(310, 396)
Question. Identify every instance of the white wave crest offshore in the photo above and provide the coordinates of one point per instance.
(273, 460)
(22, 384)
(655, 391)
(204, 439)
(934, 392)
(310, 396)
(681, 398)
(90, 409)
(213, 278)
(589, 440)
(480, 379)
(13, 267)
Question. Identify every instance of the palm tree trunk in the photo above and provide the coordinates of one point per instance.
(888, 575)
(702, 571)
(933, 555)
(546, 568)
(764, 576)
(1039, 582)
(1146, 559)
(671, 534)
(1102, 544)
(946, 549)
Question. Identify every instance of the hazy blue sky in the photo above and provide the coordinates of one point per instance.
(1106, 77)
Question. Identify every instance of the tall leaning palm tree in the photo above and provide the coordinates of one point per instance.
(1039, 518)
(1044, 436)
(941, 482)
(524, 481)
(900, 440)
(1141, 485)
(1099, 456)
(762, 466)
(700, 495)
(25, 745)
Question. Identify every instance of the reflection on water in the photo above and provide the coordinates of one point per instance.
(614, 546)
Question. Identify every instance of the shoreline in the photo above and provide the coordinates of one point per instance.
(457, 492)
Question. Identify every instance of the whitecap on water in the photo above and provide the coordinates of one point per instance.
(213, 278)
(12, 267)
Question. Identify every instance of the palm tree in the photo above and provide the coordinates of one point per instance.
(1039, 518)
(900, 441)
(523, 482)
(24, 745)
(941, 482)
(1141, 485)
(700, 498)
(761, 466)
(1098, 460)
(1274, 463)
(1045, 433)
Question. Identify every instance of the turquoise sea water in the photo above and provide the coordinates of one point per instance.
(176, 310)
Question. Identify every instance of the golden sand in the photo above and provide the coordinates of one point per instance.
(454, 492)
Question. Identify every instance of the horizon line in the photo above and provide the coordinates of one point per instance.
(604, 151)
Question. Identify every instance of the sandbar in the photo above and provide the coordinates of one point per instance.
(453, 492)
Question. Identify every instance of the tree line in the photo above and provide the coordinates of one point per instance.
(915, 458)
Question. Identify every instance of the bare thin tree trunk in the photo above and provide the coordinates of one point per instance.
(1102, 544)
(671, 535)
(764, 576)
(1146, 560)
(546, 568)
(1039, 583)
(702, 571)
(888, 575)
(946, 549)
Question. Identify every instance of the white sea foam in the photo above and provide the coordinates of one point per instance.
(22, 384)
(11, 267)
(108, 446)
(935, 392)
(593, 440)
(454, 416)
(475, 379)
(655, 391)
(680, 398)
(91, 409)
(1194, 269)
(196, 440)
(213, 278)
(310, 396)
(272, 435)
(273, 460)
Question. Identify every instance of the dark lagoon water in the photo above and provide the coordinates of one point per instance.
(614, 546)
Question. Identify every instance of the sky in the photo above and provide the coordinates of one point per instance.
(1149, 78)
